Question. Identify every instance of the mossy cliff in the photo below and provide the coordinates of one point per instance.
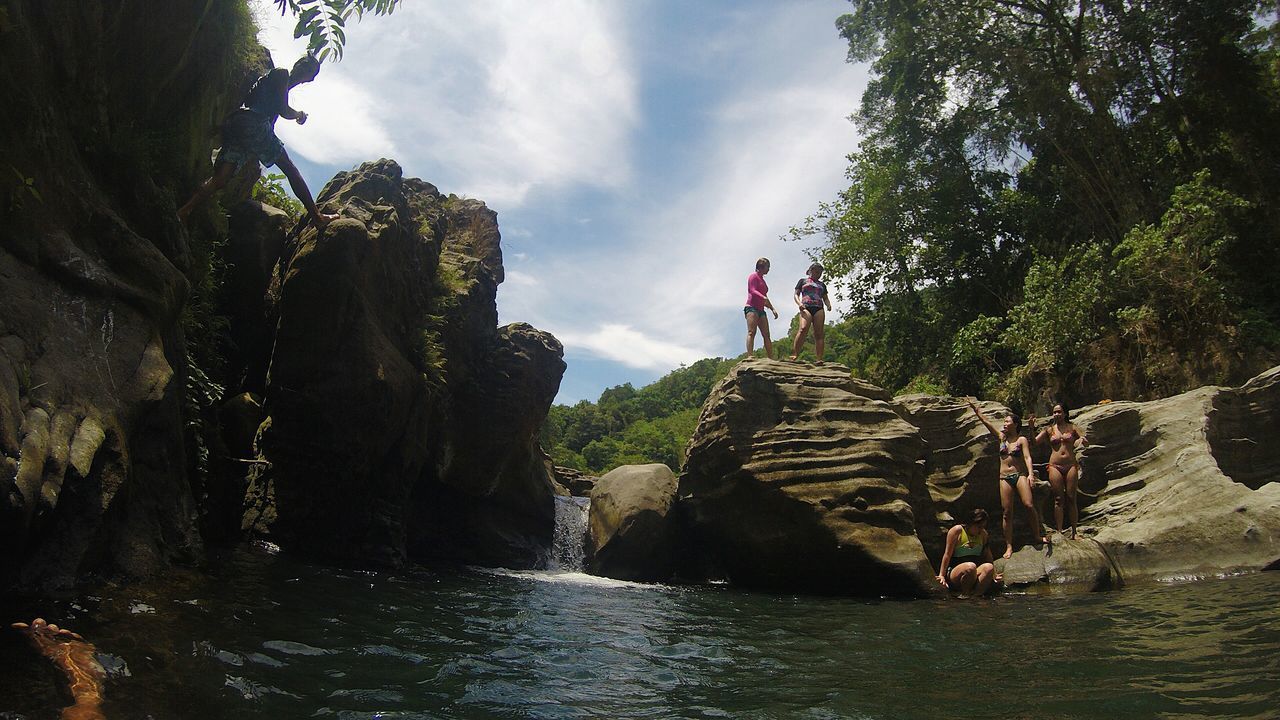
(134, 378)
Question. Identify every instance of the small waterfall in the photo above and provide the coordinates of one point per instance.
(569, 545)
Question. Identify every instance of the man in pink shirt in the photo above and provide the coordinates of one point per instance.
(757, 301)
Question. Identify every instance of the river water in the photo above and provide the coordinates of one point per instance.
(259, 635)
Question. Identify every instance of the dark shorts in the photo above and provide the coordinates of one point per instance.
(248, 136)
(748, 310)
(1011, 478)
(813, 309)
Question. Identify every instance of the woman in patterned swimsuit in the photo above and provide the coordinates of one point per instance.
(1064, 468)
(1015, 475)
(811, 298)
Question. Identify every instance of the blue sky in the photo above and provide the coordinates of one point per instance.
(640, 155)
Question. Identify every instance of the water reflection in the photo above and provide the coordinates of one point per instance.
(262, 636)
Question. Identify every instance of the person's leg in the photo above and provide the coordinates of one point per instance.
(1073, 500)
(1059, 485)
(763, 324)
(301, 190)
(752, 323)
(963, 577)
(222, 172)
(1029, 504)
(801, 332)
(77, 659)
(820, 333)
(1006, 516)
(986, 577)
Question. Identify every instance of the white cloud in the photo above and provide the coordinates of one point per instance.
(625, 344)
(489, 99)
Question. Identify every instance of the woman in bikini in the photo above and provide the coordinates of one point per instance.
(1064, 468)
(1015, 475)
(757, 301)
(811, 298)
(966, 564)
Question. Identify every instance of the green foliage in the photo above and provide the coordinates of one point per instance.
(269, 190)
(324, 22)
(1030, 206)
(629, 426)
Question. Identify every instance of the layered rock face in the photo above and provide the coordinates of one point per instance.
(800, 477)
(400, 419)
(107, 110)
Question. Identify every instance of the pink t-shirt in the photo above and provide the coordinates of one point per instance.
(756, 290)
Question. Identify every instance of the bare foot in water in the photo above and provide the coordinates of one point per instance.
(74, 656)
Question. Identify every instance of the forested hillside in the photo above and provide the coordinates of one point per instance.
(1072, 200)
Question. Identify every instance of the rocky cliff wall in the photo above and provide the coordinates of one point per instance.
(107, 114)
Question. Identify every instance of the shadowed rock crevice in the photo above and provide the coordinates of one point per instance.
(1244, 431)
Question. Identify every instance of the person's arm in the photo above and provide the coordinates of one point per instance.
(983, 418)
(280, 82)
(953, 536)
(826, 300)
(799, 286)
(1084, 441)
(1040, 437)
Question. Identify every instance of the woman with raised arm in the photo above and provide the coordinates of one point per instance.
(1015, 475)
(757, 301)
(1064, 468)
(966, 563)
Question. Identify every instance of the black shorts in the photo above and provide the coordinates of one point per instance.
(813, 309)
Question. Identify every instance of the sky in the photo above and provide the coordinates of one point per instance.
(640, 155)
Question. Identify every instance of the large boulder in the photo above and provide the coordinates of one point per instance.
(401, 420)
(1185, 486)
(632, 528)
(800, 477)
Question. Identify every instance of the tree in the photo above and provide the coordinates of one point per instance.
(324, 21)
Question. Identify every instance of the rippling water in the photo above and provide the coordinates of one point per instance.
(261, 636)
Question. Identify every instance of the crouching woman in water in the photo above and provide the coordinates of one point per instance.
(1015, 476)
(966, 563)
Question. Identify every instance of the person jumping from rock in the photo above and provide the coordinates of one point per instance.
(811, 298)
(248, 135)
(1015, 475)
(77, 660)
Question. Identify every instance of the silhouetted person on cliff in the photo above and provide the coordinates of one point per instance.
(76, 658)
(249, 135)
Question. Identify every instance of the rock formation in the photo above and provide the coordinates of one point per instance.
(366, 360)
(631, 525)
(400, 420)
(801, 478)
(106, 117)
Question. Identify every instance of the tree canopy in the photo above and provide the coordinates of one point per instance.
(1065, 198)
